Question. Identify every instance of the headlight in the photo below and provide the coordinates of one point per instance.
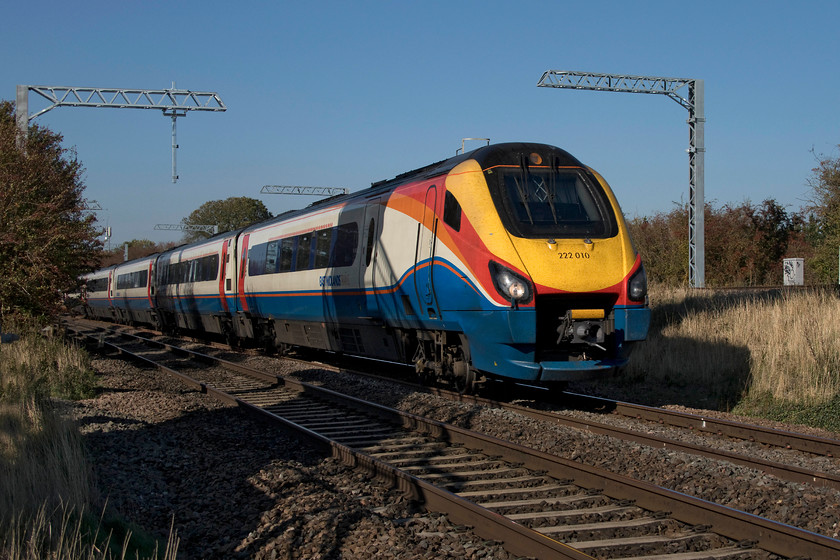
(637, 286)
(510, 285)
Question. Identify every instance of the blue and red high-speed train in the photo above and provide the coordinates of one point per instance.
(511, 261)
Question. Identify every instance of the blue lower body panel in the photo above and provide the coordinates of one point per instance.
(503, 343)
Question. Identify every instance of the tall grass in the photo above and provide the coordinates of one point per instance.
(42, 462)
(46, 482)
(760, 351)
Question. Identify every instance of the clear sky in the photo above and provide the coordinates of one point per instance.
(346, 93)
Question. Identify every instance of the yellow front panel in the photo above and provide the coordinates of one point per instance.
(567, 264)
(575, 266)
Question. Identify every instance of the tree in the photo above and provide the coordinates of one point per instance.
(662, 240)
(825, 209)
(232, 213)
(745, 244)
(47, 240)
(774, 230)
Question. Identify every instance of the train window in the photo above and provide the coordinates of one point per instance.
(97, 285)
(256, 259)
(452, 211)
(271, 257)
(370, 236)
(329, 247)
(322, 248)
(303, 249)
(206, 268)
(287, 253)
(344, 248)
(555, 203)
(137, 279)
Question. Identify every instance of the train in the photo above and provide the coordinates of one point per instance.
(510, 262)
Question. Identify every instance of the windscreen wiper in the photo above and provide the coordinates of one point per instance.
(521, 187)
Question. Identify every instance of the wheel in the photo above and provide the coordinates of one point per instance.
(464, 380)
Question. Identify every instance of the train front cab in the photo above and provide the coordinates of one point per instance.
(544, 237)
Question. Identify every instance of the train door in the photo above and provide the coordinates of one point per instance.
(371, 226)
(150, 289)
(243, 264)
(111, 310)
(227, 275)
(424, 256)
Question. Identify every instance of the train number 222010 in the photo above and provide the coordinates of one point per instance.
(573, 255)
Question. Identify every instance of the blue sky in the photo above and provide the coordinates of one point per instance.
(346, 93)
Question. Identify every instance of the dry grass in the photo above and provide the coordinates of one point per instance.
(42, 463)
(45, 479)
(730, 346)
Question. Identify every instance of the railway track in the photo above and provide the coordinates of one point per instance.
(805, 443)
(537, 504)
(824, 474)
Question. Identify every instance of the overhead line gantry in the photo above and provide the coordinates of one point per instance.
(211, 229)
(315, 191)
(172, 102)
(694, 103)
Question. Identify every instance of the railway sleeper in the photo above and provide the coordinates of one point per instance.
(578, 515)
(527, 505)
(525, 481)
(688, 545)
(427, 458)
(602, 530)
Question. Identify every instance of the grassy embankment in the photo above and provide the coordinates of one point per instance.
(46, 485)
(773, 354)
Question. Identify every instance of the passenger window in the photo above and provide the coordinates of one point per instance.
(322, 248)
(287, 251)
(345, 246)
(271, 257)
(452, 212)
(303, 250)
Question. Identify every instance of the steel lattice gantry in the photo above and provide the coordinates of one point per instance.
(185, 227)
(317, 191)
(173, 102)
(694, 103)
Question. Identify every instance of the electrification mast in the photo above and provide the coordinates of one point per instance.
(694, 103)
(173, 102)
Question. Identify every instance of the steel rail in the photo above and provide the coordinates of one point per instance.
(775, 537)
(751, 432)
(785, 472)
